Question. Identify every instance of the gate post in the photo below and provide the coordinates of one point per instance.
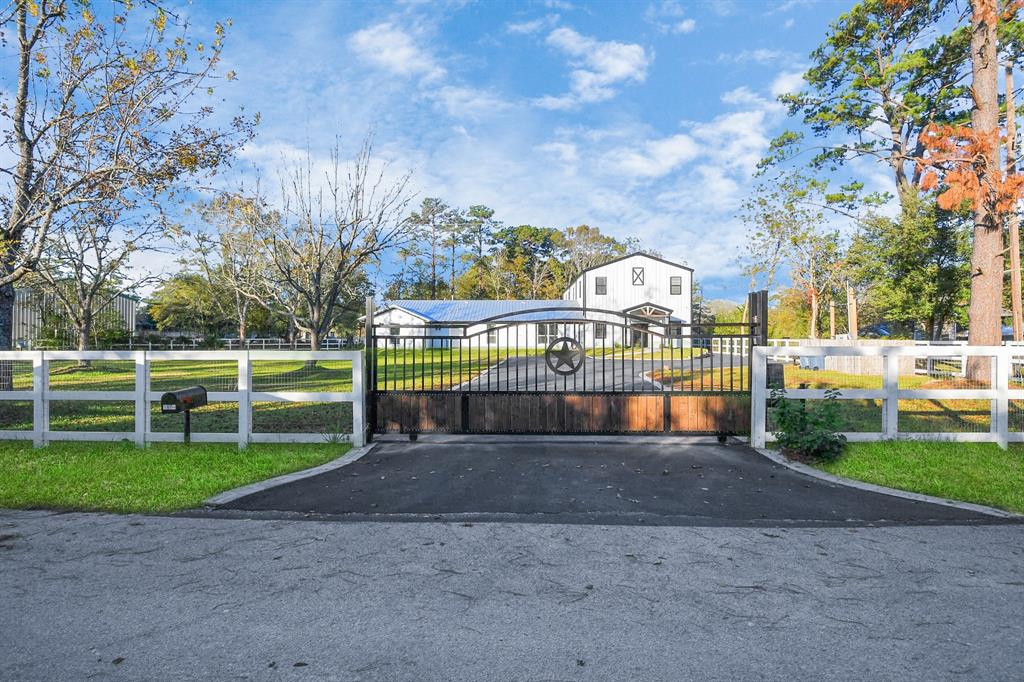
(758, 306)
(759, 397)
(370, 372)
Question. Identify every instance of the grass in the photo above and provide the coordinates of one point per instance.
(162, 477)
(970, 472)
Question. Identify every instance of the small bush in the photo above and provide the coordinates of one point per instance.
(808, 432)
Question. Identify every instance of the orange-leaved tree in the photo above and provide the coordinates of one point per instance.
(966, 160)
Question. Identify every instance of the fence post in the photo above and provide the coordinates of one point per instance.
(359, 402)
(142, 405)
(370, 368)
(40, 406)
(244, 399)
(759, 396)
(1001, 405)
(891, 413)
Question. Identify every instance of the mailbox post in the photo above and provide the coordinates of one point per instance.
(183, 401)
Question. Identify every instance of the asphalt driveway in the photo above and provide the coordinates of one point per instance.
(690, 482)
(610, 373)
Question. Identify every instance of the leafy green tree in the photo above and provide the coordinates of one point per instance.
(103, 104)
(584, 247)
(916, 266)
(187, 302)
(881, 76)
(429, 225)
(528, 253)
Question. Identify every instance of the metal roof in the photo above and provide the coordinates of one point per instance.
(472, 310)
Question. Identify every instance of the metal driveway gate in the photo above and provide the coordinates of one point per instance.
(563, 369)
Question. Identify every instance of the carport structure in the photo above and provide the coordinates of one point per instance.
(552, 369)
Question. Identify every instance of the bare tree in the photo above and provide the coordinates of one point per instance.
(317, 248)
(229, 256)
(87, 262)
(100, 107)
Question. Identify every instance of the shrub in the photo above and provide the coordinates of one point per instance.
(808, 431)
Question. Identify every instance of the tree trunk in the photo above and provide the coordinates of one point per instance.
(814, 315)
(832, 318)
(852, 321)
(6, 335)
(82, 342)
(7, 317)
(1013, 219)
(985, 307)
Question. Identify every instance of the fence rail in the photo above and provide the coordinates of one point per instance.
(929, 379)
(142, 393)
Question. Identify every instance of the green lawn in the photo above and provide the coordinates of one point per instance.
(970, 472)
(162, 477)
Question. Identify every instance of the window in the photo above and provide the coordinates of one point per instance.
(546, 333)
(675, 285)
(638, 276)
(394, 333)
(600, 286)
(600, 331)
(492, 335)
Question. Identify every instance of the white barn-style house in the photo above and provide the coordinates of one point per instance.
(654, 292)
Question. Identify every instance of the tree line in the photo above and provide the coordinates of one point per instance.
(236, 283)
(912, 86)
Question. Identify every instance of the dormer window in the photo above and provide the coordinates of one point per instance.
(600, 286)
(638, 276)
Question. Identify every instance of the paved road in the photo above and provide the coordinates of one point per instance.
(650, 481)
(531, 373)
(149, 598)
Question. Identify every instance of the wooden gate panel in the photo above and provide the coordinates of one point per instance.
(561, 413)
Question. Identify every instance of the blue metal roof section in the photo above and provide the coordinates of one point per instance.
(473, 310)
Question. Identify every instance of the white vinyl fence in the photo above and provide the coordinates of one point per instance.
(917, 392)
(227, 375)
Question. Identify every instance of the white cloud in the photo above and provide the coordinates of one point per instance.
(534, 26)
(759, 56)
(598, 66)
(654, 158)
(787, 82)
(789, 23)
(566, 152)
(466, 102)
(391, 48)
(667, 17)
(684, 26)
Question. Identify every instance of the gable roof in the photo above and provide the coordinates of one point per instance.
(648, 304)
(630, 255)
(468, 310)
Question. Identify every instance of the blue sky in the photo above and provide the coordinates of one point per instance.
(643, 118)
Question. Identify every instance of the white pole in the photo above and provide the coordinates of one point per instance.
(244, 399)
(891, 416)
(141, 398)
(359, 404)
(759, 397)
(40, 408)
(1001, 405)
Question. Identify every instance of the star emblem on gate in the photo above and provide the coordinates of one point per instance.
(564, 356)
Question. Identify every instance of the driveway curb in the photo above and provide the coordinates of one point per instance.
(808, 470)
(229, 496)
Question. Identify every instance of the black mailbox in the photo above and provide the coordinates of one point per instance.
(183, 400)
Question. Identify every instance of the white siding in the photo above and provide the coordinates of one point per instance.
(623, 294)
